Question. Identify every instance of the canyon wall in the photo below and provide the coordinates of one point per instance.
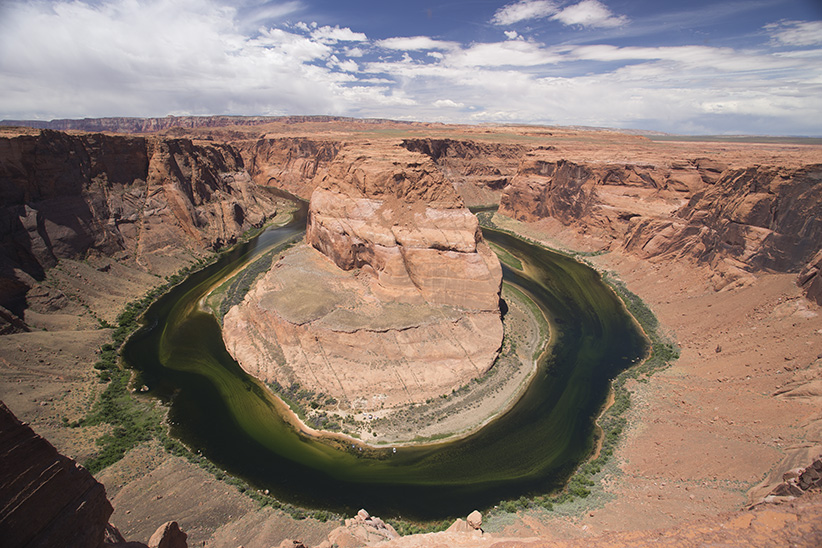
(394, 300)
(393, 214)
(152, 125)
(734, 221)
(288, 163)
(149, 201)
(479, 171)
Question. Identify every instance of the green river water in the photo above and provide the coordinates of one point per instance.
(236, 422)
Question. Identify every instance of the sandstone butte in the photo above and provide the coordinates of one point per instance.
(394, 299)
(720, 239)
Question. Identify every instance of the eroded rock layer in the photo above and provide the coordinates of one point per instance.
(394, 300)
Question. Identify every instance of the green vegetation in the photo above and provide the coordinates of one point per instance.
(404, 527)
(505, 256)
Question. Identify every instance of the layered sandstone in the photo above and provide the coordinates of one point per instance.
(46, 499)
(394, 300)
(146, 201)
(736, 222)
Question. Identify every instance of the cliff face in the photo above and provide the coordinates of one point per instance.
(749, 220)
(396, 302)
(46, 499)
(479, 171)
(395, 215)
(132, 198)
(736, 222)
(290, 164)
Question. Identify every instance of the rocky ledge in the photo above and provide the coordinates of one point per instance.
(394, 300)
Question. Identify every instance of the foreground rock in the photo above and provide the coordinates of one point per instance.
(396, 301)
(46, 499)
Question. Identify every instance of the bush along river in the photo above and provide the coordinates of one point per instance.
(236, 422)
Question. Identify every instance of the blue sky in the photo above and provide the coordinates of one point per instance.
(698, 67)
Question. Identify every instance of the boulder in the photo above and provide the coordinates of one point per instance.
(168, 535)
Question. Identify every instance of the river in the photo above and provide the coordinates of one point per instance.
(237, 423)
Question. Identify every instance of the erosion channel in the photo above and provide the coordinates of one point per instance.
(237, 423)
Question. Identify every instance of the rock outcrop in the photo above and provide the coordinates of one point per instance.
(135, 199)
(46, 499)
(393, 214)
(749, 220)
(736, 222)
(168, 535)
(362, 530)
(400, 303)
(290, 164)
(479, 171)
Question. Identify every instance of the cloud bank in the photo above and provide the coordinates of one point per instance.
(151, 58)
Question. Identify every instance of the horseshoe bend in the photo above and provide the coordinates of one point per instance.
(394, 300)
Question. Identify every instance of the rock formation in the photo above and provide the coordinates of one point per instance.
(479, 171)
(168, 535)
(46, 499)
(736, 222)
(143, 200)
(289, 164)
(402, 302)
(748, 220)
(362, 530)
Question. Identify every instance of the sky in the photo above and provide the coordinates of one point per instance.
(685, 67)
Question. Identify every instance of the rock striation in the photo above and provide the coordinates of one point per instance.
(148, 201)
(394, 215)
(749, 220)
(46, 499)
(395, 299)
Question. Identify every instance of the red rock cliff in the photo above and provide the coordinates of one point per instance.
(133, 198)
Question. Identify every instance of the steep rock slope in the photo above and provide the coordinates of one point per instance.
(46, 499)
(394, 214)
(479, 171)
(400, 303)
(288, 163)
(735, 222)
(752, 219)
(132, 198)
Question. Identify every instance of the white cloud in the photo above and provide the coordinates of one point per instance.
(796, 33)
(524, 10)
(497, 54)
(415, 43)
(151, 57)
(256, 15)
(332, 35)
(447, 103)
(75, 58)
(589, 13)
(354, 52)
